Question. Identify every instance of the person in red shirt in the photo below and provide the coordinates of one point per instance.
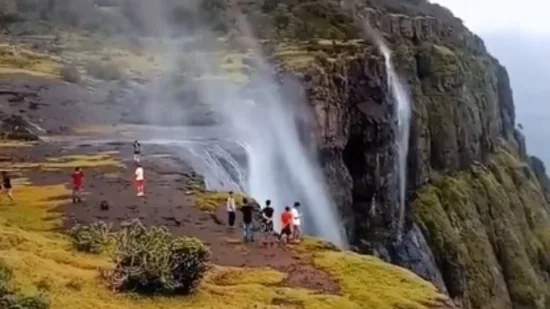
(286, 220)
(78, 182)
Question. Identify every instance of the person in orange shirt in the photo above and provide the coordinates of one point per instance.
(286, 230)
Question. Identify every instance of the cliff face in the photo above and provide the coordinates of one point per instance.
(477, 213)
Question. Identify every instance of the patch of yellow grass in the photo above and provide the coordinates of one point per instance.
(100, 159)
(33, 205)
(14, 59)
(32, 209)
(132, 63)
(209, 201)
(16, 144)
(228, 276)
(106, 129)
(295, 58)
(368, 281)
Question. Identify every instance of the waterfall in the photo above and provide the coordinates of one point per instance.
(403, 112)
(278, 167)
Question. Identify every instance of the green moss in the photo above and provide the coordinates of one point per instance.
(438, 61)
(479, 220)
(365, 282)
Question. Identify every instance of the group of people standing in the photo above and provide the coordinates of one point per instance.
(251, 212)
(290, 221)
(78, 177)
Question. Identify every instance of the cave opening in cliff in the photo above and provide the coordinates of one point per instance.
(354, 155)
(355, 160)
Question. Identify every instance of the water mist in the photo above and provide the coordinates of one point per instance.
(403, 112)
(278, 167)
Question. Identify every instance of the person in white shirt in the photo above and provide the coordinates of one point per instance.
(139, 180)
(296, 222)
(231, 209)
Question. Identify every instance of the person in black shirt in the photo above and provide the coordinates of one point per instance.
(248, 212)
(137, 151)
(267, 223)
(6, 184)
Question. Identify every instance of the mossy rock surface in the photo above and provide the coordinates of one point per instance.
(488, 228)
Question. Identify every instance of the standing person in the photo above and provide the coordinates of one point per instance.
(267, 223)
(6, 183)
(286, 224)
(248, 212)
(137, 151)
(140, 180)
(296, 222)
(78, 182)
(230, 205)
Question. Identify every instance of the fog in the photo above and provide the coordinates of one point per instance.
(259, 120)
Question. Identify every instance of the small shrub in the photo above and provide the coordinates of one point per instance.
(151, 260)
(28, 302)
(70, 74)
(104, 71)
(43, 284)
(10, 299)
(93, 238)
(5, 277)
(75, 284)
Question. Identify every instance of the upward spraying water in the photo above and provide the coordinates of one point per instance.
(403, 111)
(279, 166)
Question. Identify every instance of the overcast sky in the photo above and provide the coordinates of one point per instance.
(487, 15)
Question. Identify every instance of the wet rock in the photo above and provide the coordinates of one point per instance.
(414, 253)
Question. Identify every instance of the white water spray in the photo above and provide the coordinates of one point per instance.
(279, 167)
(403, 111)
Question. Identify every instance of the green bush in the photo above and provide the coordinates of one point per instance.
(24, 302)
(5, 277)
(151, 260)
(93, 238)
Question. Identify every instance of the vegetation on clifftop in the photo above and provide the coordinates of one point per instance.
(490, 216)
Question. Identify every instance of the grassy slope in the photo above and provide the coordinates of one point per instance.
(495, 215)
(43, 260)
(14, 59)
